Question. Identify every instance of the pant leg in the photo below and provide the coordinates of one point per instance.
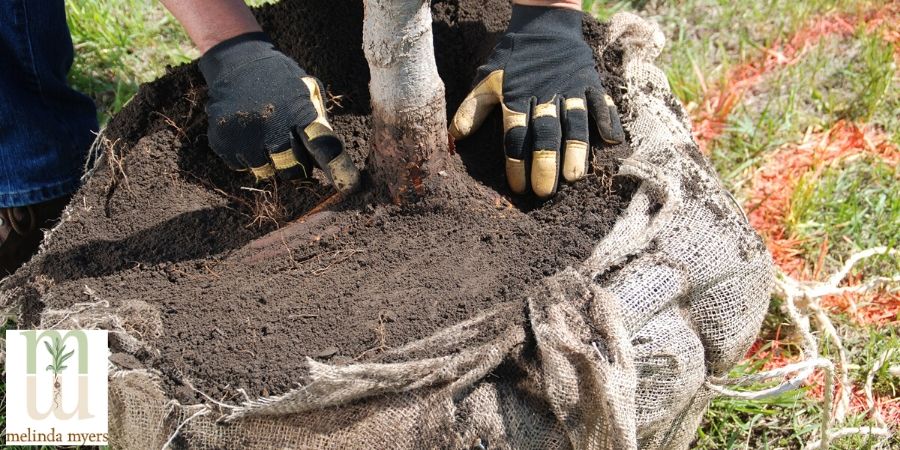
(46, 127)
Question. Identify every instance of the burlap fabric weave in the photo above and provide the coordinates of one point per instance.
(614, 355)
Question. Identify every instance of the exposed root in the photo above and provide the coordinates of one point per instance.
(329, 201)
(266, 206)
(132, 322)
(116, 166)
(220, 404)
(171, 123)
(209, 269)
(343, 256)
(333, 101)
(287, 248)
(95, 153)
(380, 340)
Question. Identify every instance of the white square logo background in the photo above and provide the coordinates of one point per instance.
(83, 401)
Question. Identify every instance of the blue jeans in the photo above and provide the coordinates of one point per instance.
(46, 127)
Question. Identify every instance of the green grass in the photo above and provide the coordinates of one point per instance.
(778, 111)
(603, 10)
(837, 79)
(759, 424)
(793, 419)
(870, 343)
(120, 44)
(856, 206)
(865, 87)
(865, 345)
(708, 37)
(840, 78)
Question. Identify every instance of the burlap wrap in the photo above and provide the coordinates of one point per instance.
(614, 355)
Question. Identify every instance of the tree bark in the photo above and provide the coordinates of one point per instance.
(408, 107)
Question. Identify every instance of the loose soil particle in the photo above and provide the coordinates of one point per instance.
(245, 289)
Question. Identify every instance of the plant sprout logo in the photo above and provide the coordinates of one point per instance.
(60, 356)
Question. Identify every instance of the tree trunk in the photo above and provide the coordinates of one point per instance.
(408, 108)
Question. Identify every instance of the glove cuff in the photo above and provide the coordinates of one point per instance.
(541, 20)
(234, 52)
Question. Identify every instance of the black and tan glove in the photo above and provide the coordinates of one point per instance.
(266, 115)
(543, 76)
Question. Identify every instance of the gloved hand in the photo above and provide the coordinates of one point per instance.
(266, 114)
(542, 74)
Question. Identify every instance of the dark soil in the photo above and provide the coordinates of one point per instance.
(247, 282)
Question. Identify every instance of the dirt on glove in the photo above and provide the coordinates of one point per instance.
(243, 281)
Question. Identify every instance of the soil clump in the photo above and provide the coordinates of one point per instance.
(247, 282)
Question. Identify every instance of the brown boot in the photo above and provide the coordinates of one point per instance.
(22, 229)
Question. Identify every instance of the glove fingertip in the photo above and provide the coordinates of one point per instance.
(516, 175)
(344, 173)
(327, 150)
(616, 132)
(477, 105)
(455, 132)
(574, 166)
(465, 121)
(606, 116)
(544, 173)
